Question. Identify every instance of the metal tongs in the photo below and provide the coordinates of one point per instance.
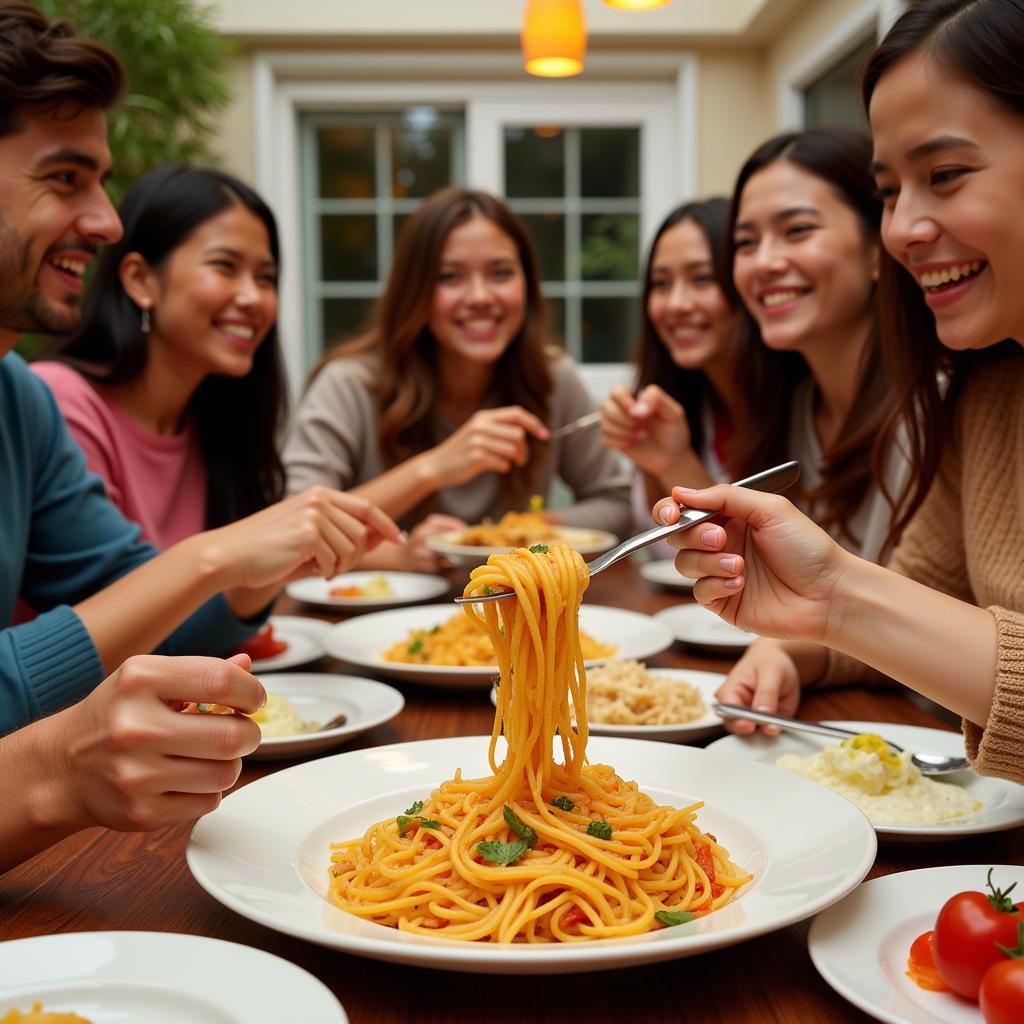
(773, 480)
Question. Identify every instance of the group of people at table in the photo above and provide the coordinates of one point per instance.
(858, 304)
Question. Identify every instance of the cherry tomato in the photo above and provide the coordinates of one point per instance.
(1002, 988)
(263, 644)
(967, 931)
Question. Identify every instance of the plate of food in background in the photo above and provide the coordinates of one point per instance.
(286, 641)
(471, 546)
(663, 573)
(624, 698)
(368, 591)
(696, 626)
(903, 806)
(438, 644)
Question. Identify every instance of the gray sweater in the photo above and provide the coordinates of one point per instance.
(334, 441)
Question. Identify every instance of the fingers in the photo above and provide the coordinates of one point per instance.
(738, 688)
(378, 521)
(203, 680)
(518, 415)
(653, 401)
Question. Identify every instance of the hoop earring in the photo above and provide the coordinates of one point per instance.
(144, 322)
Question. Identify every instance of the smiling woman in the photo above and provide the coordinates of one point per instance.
(177, 347)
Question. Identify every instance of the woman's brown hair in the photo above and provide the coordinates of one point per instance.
(400, 338)
(977, 42)
(842, 159)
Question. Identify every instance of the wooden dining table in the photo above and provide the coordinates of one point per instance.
(99, 880)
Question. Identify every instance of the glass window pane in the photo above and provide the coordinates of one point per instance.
(609, 328)
(556, 321)
(834, 100)
(547, 232)
(344, 318)
(534, 162)
(609, 162)
(348, 247)
(347, 163)
(420, 154)
(610, 247)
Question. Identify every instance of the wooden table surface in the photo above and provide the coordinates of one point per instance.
(102, 880)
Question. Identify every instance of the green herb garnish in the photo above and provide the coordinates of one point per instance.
(488, 590)
(669, 918)
(404, 821)
(520, 827)
(416, 807)
(563, 803)
(416, 646)
(429, 823)
(436, 629)
(599, 830)
(538, 549)
(502, 853)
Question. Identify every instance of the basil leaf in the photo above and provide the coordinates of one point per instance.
(520, 827)
(669, 918)
(429, 823)
(538, 549)
(599, 830)
(404, 821)
(502, 853)
(563, 803)
(416, 646)
(415, 808)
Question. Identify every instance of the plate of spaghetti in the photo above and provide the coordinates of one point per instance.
(472, 545)
(669, 704)
(437, 644)
(532, 850)
(368, 591)
(156, 977)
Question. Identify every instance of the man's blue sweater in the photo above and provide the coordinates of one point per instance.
(60, 542)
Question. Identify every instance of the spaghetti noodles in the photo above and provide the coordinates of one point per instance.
(540, 850)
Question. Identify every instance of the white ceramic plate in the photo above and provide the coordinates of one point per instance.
(1002, 801)
(362, 641)
(586, 542)
(159, 978)
(408, 588)
(304, 638)
(663, 573)
(693, 624)
(318, 697)
(265, 851)
(860, 945)
(683, 732)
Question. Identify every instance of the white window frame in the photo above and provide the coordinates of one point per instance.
(658, 91)
(867, 18)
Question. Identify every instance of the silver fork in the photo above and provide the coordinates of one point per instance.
(773, 480)
(927, 764)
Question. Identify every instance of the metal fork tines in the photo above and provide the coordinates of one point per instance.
(773, 480)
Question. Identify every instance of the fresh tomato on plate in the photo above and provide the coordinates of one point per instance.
(972, 932)
(1002, 988)
(263, 645)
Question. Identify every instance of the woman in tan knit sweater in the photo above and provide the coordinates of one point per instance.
(945, 93)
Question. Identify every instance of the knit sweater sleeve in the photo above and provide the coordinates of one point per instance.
(600, 482)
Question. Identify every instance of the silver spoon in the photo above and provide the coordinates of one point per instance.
(927, 764)
(773, 480)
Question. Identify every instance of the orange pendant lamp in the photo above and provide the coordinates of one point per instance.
(554, 38)
(636, 5)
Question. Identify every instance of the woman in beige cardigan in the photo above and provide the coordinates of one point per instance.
(945, 93)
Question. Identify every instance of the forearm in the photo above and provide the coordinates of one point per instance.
(402, 488)
(36, 813)
(246, 603)
(135, 613)
(385, 556)
(939, 646)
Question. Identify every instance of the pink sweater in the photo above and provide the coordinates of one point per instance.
(158, 482)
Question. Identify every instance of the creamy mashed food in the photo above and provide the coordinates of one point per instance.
(279, 717)
(883, 784)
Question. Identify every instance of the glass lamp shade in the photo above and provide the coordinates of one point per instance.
(636, 5)
(554, 38)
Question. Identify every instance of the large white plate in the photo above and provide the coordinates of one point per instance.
(586, 542)
(1002, 801)
(265, 851)
(682, 732)
(860, 946)
(304, 638)
(693, 624)
(159, 978)
(318, 697)
(363, 641)
(408, 588)
(663, 573)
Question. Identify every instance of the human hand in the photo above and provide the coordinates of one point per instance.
(651, 429)
(491, 440)
(417, 555)
(769, 569)
(318, 532)
(128, 759)
(766, 678)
